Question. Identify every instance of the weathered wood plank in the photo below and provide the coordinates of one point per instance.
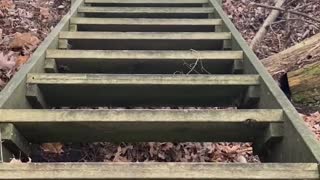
(142, 90)
(144, 21)
(135, 79)
(90, 171)
(146, 35)
(138, 55)
(237, 67)
(147, 1)
(251, 97)
(145, 24)
(273, 134)
(146, 125)
(35, 96)
(13, 140)
(146, 10)
(50, 66)
(142, 62)
(142, 115)
(145, 40)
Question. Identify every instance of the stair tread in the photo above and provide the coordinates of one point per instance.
(147, 35)
(147, 90)
(146, 10)
(148, 1)
(143, 79)
(144, 115)
(146, 125)
(160, 170)
(143, 21)
(143, 54)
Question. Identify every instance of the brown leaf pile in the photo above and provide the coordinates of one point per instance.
(313, 122)
(23, 25)
(286, 31)
(282, 34)
(153, 152)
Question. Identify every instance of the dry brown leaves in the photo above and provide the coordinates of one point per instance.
(156, 152)
(313, 122)
(283, 33)
(52, 148)
(23, 25)
(25, 41)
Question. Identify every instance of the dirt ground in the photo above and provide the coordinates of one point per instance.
(25, 23)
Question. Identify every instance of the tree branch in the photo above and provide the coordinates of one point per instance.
(285, 10)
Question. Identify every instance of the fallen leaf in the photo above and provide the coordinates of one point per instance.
(7, 4)
(54, 148)
(21, 60)
(6, 62)
(45, 12)
(22, 40)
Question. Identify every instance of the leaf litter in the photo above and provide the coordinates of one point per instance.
(285, 32)
(147, 152)
(24, 24)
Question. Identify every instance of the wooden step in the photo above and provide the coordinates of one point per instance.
(152, 170)
(144, 40)
(146, 124)
(141, 62)
(145, 90)
(145, 24)
(146, 12)
(148, 3)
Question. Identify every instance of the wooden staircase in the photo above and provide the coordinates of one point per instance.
(158, 67)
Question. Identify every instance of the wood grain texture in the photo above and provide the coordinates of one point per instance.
(146, 35)
(146, 10)
(135, 79)
(304, 85)
(142, 89)
(90, 171)
(287, 60)
(148, 1)
(146, 125)
(148, 115)
(144, 21)
(138, 55)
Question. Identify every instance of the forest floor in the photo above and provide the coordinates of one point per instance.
(285, 32)
(25, 23)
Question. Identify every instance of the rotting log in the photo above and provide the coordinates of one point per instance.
(293, 58)
(304, 84)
